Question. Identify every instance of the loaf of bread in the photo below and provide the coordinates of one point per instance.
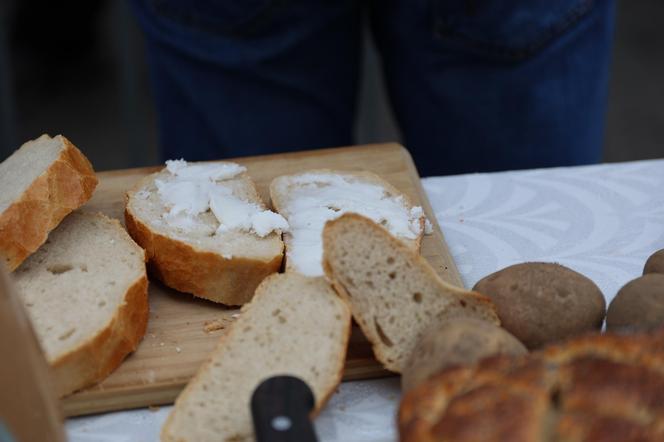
(85, 291)
(205, 230)
(532, 297)
(41, 183)
(638, 305)
(456, 341)
(394, 294)
(591, 388)
(294, 325)
(309, 199)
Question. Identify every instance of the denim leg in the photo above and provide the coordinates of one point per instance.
(245, 77)
(497, 84)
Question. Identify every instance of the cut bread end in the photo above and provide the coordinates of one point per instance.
(224, 267)
(42, 182)
(295, 326)
(333, 189)
(85, 291)
(393, 292)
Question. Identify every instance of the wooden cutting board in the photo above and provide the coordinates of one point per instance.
(181, 328)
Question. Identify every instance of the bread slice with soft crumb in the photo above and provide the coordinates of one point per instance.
(41, 182)
(85, 291)
(193, 256)
(294, 325)
(309, 198)
(394, 294)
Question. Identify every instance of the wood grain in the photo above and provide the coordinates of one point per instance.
(181, 328)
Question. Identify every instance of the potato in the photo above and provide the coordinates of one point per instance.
(639, 305)
(655, 264)
(541, 303)
(459, 341)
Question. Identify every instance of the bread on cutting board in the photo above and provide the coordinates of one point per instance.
(309, 199)
(206, 230)
(294, 325)
(393, 292)
(85, 291)
(41, 182)
(590, 388)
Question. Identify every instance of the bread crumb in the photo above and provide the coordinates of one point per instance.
(153, 408)
(150, 376)
(161, 344)
(214, 325)
(178, 349)
(235, 315)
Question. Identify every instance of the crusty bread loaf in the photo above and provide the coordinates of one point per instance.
(41, 183)
(304, 239)
(223, 267)
(457, 341)
(592, 388)
(85, 291)
(294, 325)
(393, 292)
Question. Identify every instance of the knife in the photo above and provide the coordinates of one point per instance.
(280, 407)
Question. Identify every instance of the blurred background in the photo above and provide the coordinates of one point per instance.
(78, 68)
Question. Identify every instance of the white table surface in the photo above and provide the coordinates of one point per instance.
(602, 221)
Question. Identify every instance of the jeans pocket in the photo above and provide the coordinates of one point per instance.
(508, 30)
(221, 17)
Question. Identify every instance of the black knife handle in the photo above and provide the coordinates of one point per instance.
(280, 407)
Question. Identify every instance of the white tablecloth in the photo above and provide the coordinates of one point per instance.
(602, 221)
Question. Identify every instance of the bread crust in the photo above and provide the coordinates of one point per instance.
(102, 354)
(208, 275)
(65, 185)
(595, 387)
(482, 302)
(319, 402)
(96, 358)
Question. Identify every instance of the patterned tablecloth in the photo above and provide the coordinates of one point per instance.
(602, 221)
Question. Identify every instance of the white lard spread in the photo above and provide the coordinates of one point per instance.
(318, 197)
(196, 188)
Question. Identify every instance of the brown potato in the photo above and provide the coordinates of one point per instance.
(541, 303)
(459, 341)
(655, 264)
(639, 305)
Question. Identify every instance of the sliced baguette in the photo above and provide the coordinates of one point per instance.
(294, 325)
(85, 291)
(287, 189)
(394, 294)
(221, 267)
(41, 182)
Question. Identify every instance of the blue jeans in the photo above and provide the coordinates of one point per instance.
(475, 85)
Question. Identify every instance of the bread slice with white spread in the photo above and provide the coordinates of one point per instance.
(85, 291)
(41, 182)
(311, 198)
(393, 292)
(295, 326)
(206, 230)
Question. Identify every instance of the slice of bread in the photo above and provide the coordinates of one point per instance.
(294, 325)
(393, 292)
(41, 183)
(195, 257)
(308, 199)
(85, 291)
